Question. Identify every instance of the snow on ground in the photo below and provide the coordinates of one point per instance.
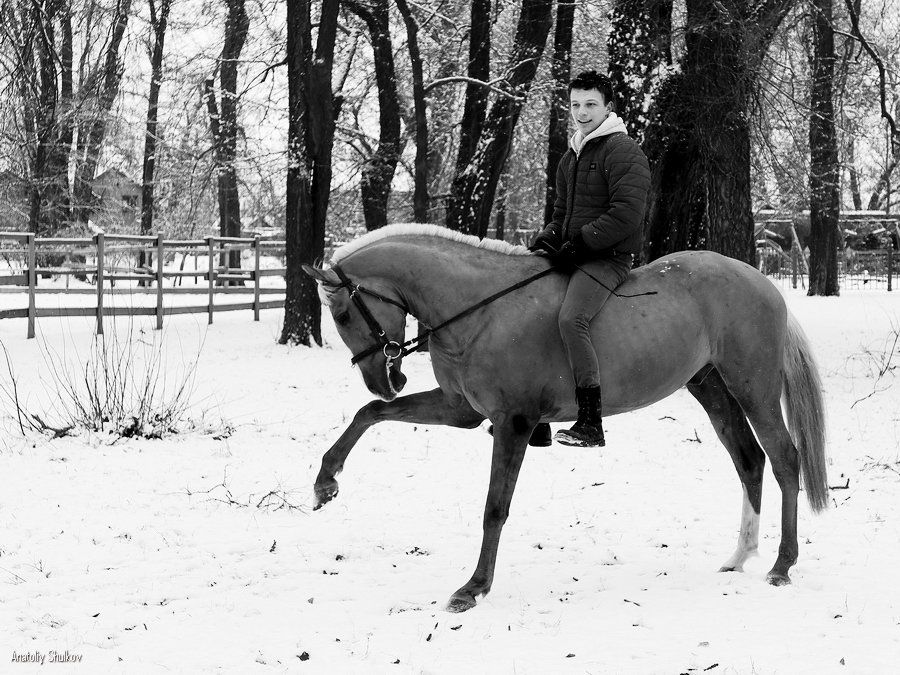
(173, 556)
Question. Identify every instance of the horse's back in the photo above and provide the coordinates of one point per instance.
(704, 309)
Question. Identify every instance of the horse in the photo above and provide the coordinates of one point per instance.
(715, 325)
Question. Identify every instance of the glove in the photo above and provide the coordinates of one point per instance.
(544, 242)
(571, 254)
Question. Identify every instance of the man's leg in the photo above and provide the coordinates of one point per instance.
(584, 299)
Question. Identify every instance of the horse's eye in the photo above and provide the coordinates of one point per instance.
(342, 319)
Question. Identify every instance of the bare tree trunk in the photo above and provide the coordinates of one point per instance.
(561, 69)
(66, 112)
(472, 193)
(311, 123)
(378, 171)
(479, 70)
(224, 124)
(824, 186)
(93, 133)
(420, 178)
(158, 24)
(640, 41)
(48, 210)
(855, 192)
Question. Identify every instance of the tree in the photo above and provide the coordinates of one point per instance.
(311, 124)
(420, 170)
(824, 178)
(441, 55)
(561, 69)
(639, 45)
(880, 195)
(158, 22)
(102, 87)
(474, 186)
(30, 33)
(478, 71)
(224, 124)
(378, 171)
(698, 135)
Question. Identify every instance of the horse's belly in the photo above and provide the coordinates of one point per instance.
(647, 353)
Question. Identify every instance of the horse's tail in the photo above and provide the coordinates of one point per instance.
(805, 412)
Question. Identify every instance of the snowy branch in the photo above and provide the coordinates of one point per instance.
(469, 80)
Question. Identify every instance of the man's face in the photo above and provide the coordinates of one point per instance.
(588, 109)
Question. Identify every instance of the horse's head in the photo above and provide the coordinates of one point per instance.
(371, 323)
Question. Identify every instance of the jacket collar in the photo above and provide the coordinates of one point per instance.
(611, 125)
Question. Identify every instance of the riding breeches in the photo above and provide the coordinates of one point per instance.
(584, 299)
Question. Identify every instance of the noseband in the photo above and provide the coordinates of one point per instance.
(390, 348)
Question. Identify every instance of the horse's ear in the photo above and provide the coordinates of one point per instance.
(327, 277)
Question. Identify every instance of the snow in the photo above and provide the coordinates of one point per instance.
(155, 556)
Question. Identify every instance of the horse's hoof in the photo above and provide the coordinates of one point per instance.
(778, 578)
(730, 568)
(325, 492)
(460, 603)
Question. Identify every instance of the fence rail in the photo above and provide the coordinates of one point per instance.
(42, 257)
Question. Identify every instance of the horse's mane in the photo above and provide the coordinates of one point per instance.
(428, 230)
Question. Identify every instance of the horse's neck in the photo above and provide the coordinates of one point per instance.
(435, 289)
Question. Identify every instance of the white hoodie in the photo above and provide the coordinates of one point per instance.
(612, 124)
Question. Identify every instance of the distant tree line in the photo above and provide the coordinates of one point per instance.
(446, 111)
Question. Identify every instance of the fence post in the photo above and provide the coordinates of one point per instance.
(32, 282)
(211, 275)
(98, 240)
(159, 281)
(793, 266)
(256, 278)
(890, 265)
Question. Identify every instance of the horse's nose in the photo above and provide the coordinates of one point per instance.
(398, 380)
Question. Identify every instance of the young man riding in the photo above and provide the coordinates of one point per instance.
(597, 229)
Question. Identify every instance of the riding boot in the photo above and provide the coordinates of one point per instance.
(540, 437)
(588, 429)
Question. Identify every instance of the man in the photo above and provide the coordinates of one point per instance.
(597, 229)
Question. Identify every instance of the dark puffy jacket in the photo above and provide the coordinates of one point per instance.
(602, 193)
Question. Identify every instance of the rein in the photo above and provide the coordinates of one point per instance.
(394, 350)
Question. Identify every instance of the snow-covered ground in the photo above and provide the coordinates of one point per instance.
(199, 553)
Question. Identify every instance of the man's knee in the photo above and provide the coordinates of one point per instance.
(573, 323)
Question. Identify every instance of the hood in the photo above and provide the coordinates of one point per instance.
(611, 125)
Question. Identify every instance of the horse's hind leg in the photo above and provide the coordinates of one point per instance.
(731, 426)
(773, 434)
(430, 407)
(760, 399)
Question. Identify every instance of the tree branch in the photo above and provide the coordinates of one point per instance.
(469, 80)
(885, 113)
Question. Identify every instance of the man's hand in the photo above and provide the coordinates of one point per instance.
(571, 254)
(544, 243)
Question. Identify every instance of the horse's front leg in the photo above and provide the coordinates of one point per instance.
(431, 407)
(510, 440)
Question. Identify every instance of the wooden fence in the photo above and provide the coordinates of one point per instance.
(38, 255)
(864, 269)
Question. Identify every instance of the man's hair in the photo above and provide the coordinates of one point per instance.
(591, 79)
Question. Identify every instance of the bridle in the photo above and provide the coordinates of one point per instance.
(391, 349)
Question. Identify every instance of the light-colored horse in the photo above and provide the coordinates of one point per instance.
(716, 325)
